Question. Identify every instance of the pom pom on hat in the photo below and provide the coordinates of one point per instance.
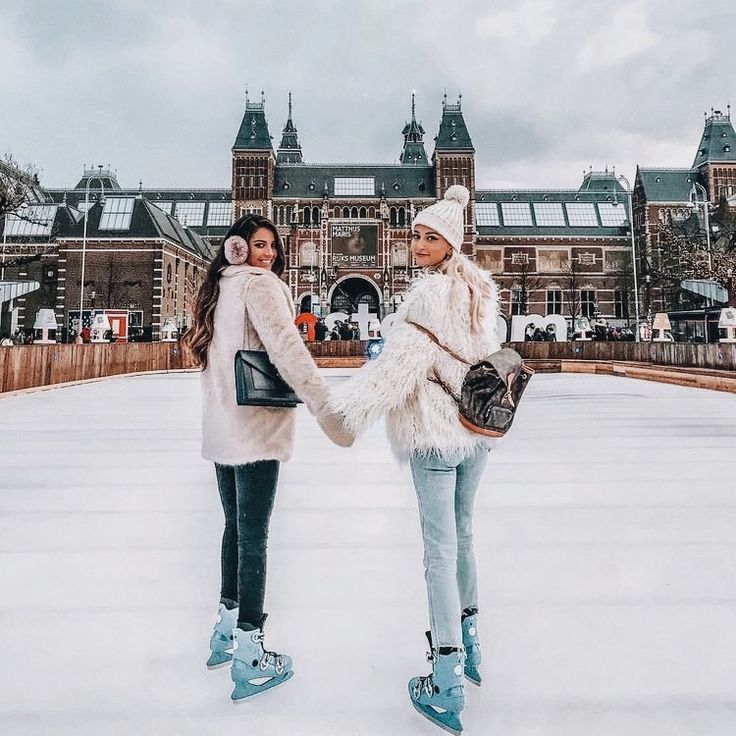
(458, 193)
(236, 250)
(446, 216)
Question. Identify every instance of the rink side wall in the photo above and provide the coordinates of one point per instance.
(707, 366)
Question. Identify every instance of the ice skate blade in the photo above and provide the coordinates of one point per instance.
(245, 690)
(446, 720)
(218, 659)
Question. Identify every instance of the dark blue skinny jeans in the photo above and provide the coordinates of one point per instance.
(247, 493)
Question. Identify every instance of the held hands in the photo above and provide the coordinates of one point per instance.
(332, 424)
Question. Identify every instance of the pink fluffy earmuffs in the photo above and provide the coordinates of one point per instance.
(236, 250)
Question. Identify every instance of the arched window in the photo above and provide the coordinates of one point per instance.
(401, 220)
(371, 212)
(392, 217)
(308, 255)
(346, 212)
(363, 213)
(307, 216)
(315, 216)
(354, 213)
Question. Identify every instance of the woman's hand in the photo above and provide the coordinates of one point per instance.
(332, 424)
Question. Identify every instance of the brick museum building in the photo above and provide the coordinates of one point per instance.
(346, 229)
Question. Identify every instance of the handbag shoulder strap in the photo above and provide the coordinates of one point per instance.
(434, 339)
(246, 321)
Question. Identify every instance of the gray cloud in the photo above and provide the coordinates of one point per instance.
(549, 86)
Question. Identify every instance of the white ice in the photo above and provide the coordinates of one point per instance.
(605, 534)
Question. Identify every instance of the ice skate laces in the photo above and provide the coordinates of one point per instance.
(425, 683)
(268, 659)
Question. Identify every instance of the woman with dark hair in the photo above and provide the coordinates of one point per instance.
(243, 304)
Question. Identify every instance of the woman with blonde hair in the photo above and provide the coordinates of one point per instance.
(452, 308)
(243, 304)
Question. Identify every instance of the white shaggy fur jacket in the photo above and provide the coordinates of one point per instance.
(420, 416)
(254, 311)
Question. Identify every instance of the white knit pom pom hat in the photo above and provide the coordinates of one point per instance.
(446, 216)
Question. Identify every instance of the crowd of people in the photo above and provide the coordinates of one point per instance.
(19, 337)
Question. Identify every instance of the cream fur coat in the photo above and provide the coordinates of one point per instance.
(254, 311)
(420, 416)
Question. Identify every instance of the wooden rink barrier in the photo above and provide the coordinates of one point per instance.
(710, 366)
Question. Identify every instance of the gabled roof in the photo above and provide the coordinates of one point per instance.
(453, 134)
(393, 181)
(666, 185)
(253, 133)
(718, 142)
(146, 221)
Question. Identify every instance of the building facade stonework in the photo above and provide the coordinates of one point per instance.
(346, 228)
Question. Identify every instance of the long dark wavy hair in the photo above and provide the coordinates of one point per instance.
(199, 337)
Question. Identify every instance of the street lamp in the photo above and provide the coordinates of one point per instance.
(633, 252)
(90, 179)
(697, 186)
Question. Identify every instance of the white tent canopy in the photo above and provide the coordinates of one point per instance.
(13, 289)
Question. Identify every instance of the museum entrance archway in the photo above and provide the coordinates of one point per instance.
(353, 291)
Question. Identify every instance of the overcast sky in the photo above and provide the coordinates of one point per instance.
(156, 89)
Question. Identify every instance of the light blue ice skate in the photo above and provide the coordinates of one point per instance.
(440, 697)
(254, 669)
(471, 642)
(221, 641)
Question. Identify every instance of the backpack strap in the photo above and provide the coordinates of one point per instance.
(434, 339)
(435, 378)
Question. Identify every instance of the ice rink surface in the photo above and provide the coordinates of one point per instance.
(605, 535)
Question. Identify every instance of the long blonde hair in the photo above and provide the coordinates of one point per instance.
(466, 275)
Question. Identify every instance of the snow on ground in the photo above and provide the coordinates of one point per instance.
(605, 533)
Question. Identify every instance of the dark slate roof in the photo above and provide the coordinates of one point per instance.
(147, 221)
(395, 181)
(453, 134)
(107, 177)
(253, 133)
(601, 181)
(718, 143)
(666, 185)
(75, 198)
(544, 195)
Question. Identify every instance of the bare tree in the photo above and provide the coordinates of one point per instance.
(571, 281)
(527, 285)
(18, 184)
(685, 252)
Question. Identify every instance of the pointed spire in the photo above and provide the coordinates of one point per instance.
(289, 150)
(253, 134)
(413, 151)
(718, 142)
(453, 134)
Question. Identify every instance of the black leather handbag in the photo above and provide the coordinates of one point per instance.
(258, 383)
(491, 390)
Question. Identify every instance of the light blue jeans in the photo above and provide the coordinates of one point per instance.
(446, 492)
